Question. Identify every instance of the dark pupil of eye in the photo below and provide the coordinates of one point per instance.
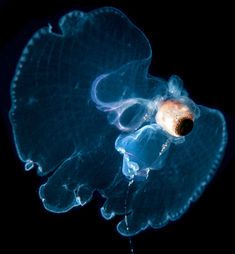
(185, 126)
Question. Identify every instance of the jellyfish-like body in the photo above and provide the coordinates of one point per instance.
(167, 147)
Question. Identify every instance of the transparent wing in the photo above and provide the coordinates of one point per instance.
(56, 125)
(52, 115)
(167, 193)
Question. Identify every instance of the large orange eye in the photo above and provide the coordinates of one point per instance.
(175, 117)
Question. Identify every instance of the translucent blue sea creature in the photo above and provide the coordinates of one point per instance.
(150, 159)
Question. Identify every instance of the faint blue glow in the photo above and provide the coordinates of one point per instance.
(62, 85)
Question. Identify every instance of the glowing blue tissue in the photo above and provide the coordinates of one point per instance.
(86, 113)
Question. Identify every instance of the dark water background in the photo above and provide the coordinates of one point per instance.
(193, 41)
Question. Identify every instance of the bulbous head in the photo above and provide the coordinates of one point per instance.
(175, 117)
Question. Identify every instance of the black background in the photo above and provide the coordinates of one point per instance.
(193, 41)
